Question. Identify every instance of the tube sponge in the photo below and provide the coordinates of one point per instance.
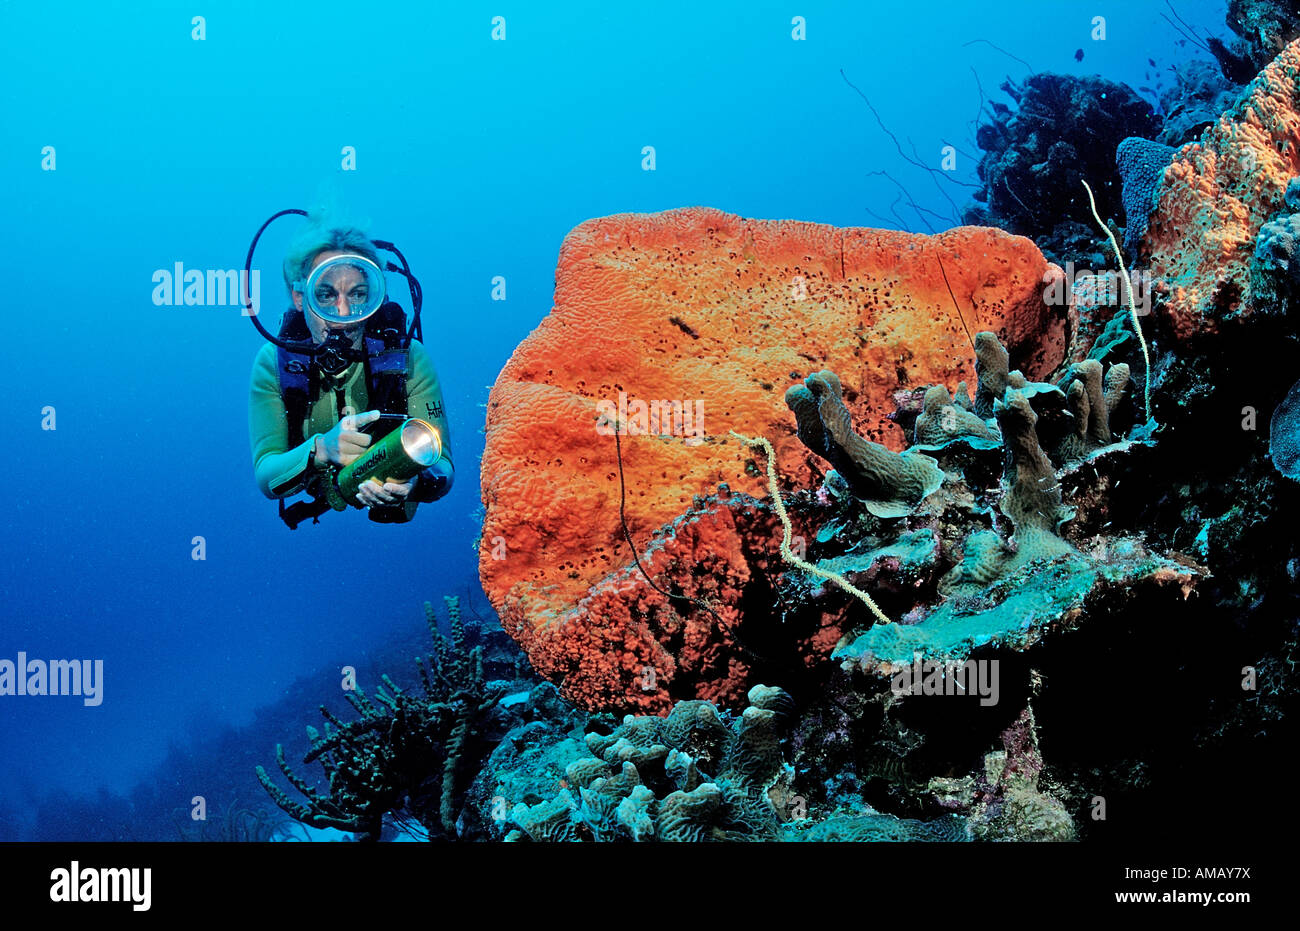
(942, 421)
(1033, 497)
(991, 364)
(889, 484)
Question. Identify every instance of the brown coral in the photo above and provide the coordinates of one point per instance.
(889, 484)
(941, 420)
(1091, 400)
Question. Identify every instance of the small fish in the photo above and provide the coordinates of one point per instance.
(1078, 55)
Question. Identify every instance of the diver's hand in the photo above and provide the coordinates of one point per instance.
(345, 443)
(373, 494)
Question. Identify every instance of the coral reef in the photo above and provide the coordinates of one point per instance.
(1275, 269)
(1006, 803)
(1021, 548)
(403, 753)
(1266, 26)
(1284, 434)
(1199, 95)
(649, 779)
(1063, 128)
(698, 775)
(873, 827)
(663, 296)
(956, 591)
(1007, 592)
(1077, 603)
(1214, 198)
(231, 823)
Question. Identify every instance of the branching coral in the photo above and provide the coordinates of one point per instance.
(403, 751)
(234, 823)
(1064, 127)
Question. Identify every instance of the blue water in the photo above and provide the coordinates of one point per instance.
(476, 157)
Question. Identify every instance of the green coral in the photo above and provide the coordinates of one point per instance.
(981, 564)
(1033, 494)
(647, 780)
(1007, 592)
(1092, 400)
(874, 827)
(992, 362)
(942, 422)
(889, 484)
(401, 747)
(719, 780)
(1014, 609)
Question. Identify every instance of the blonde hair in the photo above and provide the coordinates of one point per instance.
(325, 232)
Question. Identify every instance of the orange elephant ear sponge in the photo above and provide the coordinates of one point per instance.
(1217, 194)
(677, 328)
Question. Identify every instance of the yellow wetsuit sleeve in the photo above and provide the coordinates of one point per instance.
(280, 471)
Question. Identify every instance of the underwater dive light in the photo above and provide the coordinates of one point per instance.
(406, 451)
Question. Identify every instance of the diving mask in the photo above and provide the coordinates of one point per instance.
(344, 291)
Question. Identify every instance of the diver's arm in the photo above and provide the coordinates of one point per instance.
(280, 472)
(433, 482)
(424, 400)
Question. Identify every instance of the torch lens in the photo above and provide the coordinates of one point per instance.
(421, 442)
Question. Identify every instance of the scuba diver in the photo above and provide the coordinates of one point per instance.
(345, 404)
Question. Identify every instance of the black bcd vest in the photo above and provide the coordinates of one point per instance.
(386, 367)
(386, 370)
